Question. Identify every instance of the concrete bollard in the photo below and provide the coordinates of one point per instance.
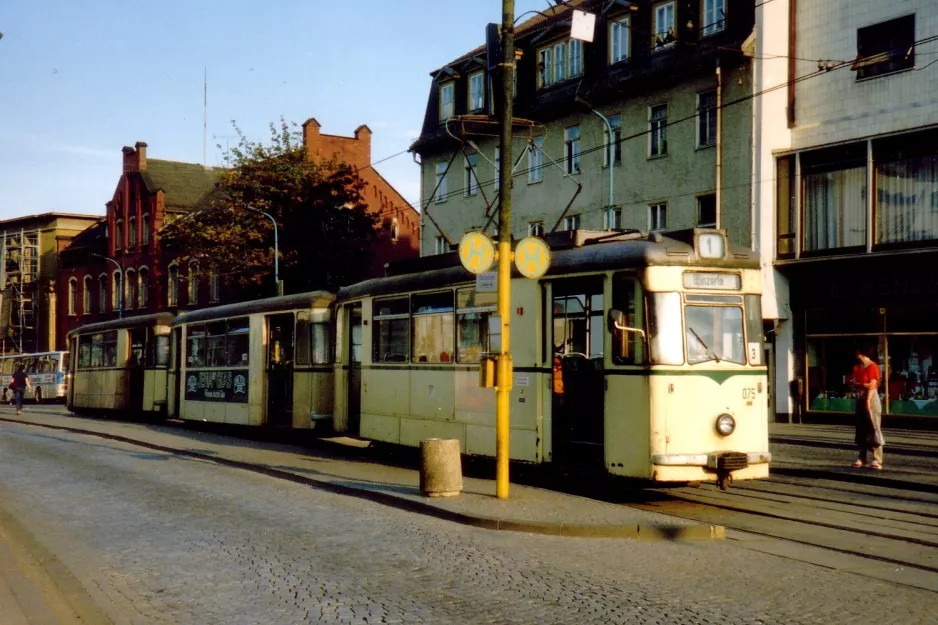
(440, 467)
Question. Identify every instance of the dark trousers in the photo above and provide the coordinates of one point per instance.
(18, 395)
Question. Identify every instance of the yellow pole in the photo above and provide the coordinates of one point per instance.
(504, 373)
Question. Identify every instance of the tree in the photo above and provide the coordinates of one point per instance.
(325, 230)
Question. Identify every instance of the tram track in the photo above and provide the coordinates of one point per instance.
(852, 526)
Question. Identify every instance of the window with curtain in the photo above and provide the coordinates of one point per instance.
(835, 209)
(130, 289)
(102, 293)
(907, 200)
(172, 286)
(193, 284)
(143, 277)
(86, 296)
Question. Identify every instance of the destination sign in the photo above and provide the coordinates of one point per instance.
(712, 280)
(223, 386)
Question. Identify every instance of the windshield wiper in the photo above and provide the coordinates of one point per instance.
(709, 351)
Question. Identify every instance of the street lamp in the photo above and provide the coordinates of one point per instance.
(120, 283)
(276, 248)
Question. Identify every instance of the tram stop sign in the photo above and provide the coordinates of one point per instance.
(532, 257)
(476, 252)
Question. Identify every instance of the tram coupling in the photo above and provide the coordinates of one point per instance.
(724, 463)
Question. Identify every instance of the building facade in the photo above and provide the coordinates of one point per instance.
(655, 75)
(847, 162)
(29, 272)
(118, 267)
(399, 223)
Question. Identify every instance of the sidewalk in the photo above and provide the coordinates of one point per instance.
(528, 509)
(827, 451)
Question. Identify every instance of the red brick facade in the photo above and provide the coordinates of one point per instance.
(399, 228)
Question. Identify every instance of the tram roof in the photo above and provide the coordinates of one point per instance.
(312, 299)
(138, 321)
(599, 253)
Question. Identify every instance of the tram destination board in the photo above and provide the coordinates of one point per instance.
(221, 386)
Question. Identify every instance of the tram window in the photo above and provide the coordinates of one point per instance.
(624, 296)
(392, 330)
(216, 348)
(109, 348)
(714, 333)
(433, 327)
(302, 337)
(754, 329)
(664, 328)
(195, 345)
(158, 351)
(595, 323)
(472, 324)
(84, 351)
(570, 330)
(239, 332)
(97, 350)
(321, 344)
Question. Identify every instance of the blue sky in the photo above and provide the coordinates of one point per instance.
(81, 79)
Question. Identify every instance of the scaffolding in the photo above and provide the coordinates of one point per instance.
(19, 275)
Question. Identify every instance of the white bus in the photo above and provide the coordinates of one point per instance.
(47, 371)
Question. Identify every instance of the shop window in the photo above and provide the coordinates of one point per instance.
(830, 362)
(913, 375)
(392, 330)
(433, 332)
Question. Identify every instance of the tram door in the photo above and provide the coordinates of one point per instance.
(578, 383)
(280, 370)
(136, 368)
(354, 334)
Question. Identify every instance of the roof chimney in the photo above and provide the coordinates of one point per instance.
(141, 155)
(363, 135)
(311, 139)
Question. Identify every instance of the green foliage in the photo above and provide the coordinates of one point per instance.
(324, 228)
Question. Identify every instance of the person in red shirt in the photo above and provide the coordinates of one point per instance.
(869, 410)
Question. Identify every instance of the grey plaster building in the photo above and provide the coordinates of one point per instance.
(654, 75)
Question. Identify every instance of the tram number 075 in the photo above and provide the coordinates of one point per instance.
(749, 393)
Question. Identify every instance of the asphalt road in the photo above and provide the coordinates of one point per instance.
(157, 538)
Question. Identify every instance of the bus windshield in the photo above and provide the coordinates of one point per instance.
(714, 333)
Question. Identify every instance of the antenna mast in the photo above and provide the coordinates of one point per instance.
(204, 114)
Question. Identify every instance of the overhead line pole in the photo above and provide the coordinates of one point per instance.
(504, 376)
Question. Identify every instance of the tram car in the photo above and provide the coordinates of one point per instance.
(120, 366)
(260, 363)
(638, 354)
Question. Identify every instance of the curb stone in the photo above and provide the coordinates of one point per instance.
(625, 531)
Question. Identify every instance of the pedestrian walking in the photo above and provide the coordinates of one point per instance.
(19, 385)
(869, 411)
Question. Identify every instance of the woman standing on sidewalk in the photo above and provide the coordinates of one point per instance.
(869, 410)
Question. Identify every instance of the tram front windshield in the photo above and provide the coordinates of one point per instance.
(713, 329)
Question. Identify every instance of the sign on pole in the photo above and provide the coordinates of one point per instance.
(532, 257)
(476, 252)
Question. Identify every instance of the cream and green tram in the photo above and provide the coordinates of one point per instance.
(637, 354)
(120, 366)
(260, 363)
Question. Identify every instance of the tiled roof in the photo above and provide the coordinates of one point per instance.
(185, 185)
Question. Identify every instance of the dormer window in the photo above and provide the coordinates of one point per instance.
(476, 92)
(447, 110)
(713, 16)
(558, 62)
(618, 40)
(664, 33)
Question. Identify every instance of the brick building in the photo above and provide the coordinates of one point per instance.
(399, 229)
(117, 266)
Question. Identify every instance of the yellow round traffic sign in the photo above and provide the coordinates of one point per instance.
(532, 257)
(476, 252)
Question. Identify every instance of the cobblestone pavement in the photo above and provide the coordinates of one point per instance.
(162, 539)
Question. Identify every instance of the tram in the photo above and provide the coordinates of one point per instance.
(638, 354)
(120, 366)
(261, 363)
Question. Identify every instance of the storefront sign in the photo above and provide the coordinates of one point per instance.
(712, 280)
(223, 386)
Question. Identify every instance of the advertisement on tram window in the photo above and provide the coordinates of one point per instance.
(220, 386)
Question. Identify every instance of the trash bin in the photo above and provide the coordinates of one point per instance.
(440, 467)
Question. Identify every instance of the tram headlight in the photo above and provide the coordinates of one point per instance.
(726, 424)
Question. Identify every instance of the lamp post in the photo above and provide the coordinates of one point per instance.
(276, 248)
(120, 282)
